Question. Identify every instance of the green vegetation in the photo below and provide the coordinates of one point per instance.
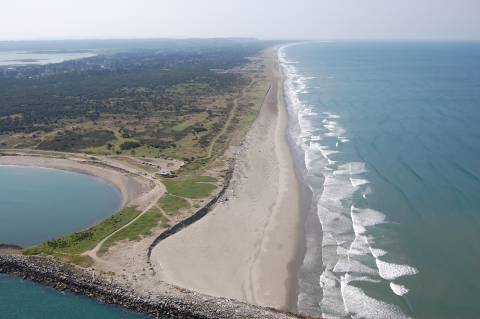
(171, 205)
(173, 202)
(187, 100)
(138, 229)
(82, 261)
(144, 98)
(128, 145)
(203, 179)
(71, 141)
(80, 242)
(190, 187)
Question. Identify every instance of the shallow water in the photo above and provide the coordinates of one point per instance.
(389, 135)
(38, 204)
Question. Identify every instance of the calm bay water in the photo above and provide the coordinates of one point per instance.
(389, 135)
(39, 204)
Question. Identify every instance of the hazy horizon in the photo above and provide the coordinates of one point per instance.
(281, 19)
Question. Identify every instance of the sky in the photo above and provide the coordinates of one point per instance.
(265, 19)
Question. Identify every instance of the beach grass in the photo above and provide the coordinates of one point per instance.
(190, 187)
(79, 242)
(171, 204)
(137, 230)
(82, 261)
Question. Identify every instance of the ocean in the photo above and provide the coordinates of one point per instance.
(21, 299)
(387, 137)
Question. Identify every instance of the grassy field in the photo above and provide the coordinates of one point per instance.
(140, 228)
(191, 187)
(80, 242)
(71, 247)
(171, 204)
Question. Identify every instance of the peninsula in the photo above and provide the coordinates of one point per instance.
(196, 144)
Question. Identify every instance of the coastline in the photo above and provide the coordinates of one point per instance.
(130, 187)
(247, 247)
(309, 270)
(264, 184)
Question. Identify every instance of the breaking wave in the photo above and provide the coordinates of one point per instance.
(351, 258)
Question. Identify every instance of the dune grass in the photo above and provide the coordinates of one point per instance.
(82, 261)
(191, 187)
(171, 204)
(82, 241)
(140, 228)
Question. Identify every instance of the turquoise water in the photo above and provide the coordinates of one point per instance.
(389, 138)
(39, 204)
(20, 299)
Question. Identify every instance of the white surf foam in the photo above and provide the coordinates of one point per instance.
(358, 182)
(347, 252)
(399, 290)
(362, 218)
(351, 168)
(391, 271)
(360, 305)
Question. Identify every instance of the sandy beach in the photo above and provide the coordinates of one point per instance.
(247, 246)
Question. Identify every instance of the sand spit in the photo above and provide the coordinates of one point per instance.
(244, 248)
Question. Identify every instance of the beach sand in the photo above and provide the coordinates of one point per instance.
(247, 247)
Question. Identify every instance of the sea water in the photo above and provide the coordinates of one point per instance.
(21, 299)
(39, 204)
(388, 134)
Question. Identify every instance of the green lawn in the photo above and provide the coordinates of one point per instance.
(204, 179)
(80, 242)
(191, 187)
(173, 204)
(140, 228)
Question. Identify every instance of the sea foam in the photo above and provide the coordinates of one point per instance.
(349, 253)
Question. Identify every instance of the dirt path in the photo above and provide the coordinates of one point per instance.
(158, 191)
(229, 119)
(151, 200)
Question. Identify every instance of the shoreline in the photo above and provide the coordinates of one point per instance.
(295, 265)
(247, 247)
(304, 272)
(130, 187)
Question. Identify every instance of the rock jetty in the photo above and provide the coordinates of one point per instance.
(185, 304)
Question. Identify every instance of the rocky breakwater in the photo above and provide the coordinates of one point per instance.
(185, 304)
